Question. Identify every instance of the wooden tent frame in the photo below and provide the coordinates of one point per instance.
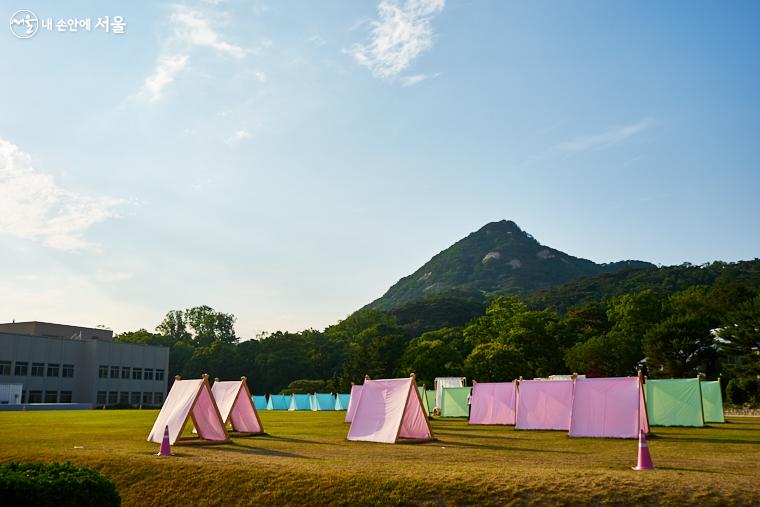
(190, 415)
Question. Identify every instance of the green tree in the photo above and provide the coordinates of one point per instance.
(429, 358)
(496, 362)
(741, 339)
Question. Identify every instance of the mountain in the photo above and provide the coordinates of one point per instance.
(500, 258)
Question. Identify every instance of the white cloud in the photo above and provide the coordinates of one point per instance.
(192, 27)
(33, 206)
(402, 33)
(166, 70)
(604, 139)
(238, 136)
(417, 78)
(261, 77)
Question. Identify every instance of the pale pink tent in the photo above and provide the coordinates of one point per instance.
(389, 410)
(608, 407)
(236, 405)
(493, 403)
(353, 402)
(189, 399)
(544, 405)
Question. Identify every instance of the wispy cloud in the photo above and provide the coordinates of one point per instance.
(193, 27)
(416, 78)
(239, 135)
(604, 139)
(33, 206)
(402, 32)
(260, 76)
(166, 70)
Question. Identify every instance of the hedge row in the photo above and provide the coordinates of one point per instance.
(59, 484)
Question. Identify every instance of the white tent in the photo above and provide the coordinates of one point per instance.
(236, 405)
(388, 410)
(189, 399)
(353, 402)
(441, 382)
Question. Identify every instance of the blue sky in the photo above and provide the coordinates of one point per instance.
(288, 161)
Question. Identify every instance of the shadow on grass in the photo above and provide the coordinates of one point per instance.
(680, 469)
(289, 439)
(256, 451)
(493, 447)
(699, 440)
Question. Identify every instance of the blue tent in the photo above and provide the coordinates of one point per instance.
(300, 402)
(341, 401)
(278, 402)
(322, 401)
(260, 402)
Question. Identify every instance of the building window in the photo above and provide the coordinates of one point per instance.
(159, 374)
(102, 371)
(35, 396)
(148, 374)
(101, 398)
(124, 398)
(136, 373)
(125, 372)
(158, 398)
(22, 369)
(38, 369)
(135, 398)
(114, 372)
(67, 371)
(65, 397)
(147, 398)
(23, 396)
(51, 396)
(53, 369)
(5, 367)
(113, 397)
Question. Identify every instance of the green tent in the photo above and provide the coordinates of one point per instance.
(712, 402)
(454, 402)
(430, 400)
(674, 402)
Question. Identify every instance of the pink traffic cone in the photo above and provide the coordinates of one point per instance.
(645, 460)
(166, 448)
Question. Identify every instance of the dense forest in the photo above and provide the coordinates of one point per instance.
(675, 321)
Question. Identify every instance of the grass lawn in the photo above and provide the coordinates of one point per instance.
(307, 460)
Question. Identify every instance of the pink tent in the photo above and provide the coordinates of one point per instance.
(389, 410)
(544, 405)
(236, 405)
(189, 399)
(353, 402)
(608, 407)
(493, 403)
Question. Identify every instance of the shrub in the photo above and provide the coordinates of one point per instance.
(743, 390)
(59, 484)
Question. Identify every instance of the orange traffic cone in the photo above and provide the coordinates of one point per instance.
(645, 460)
(166, 448)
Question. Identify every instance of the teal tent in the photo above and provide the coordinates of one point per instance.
(278, 402)
(322, 401)
(674, 402)
(712, 402)
(454, 402)
(430, 400)
(299, 402)
(341, 401)
(260, 402)
(423, 398)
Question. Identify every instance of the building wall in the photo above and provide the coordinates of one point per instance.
(48, 329)
(86, 358)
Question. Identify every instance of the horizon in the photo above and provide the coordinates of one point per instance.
(288, 162)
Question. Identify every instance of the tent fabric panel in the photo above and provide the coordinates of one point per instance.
(414, 422)
(606, 408)
(225, 393)
(440, 383)
(278, 402)
(243, 415)
(674, 402)
(300, 402)
(454, 402)
(430, 399)
(341, 401)
(323, 401)
(712, 402)
(175, 410)
(260, 402)
(493, 403)
(353, 402)
(544, 405)
(380, 410)
(206, 417)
